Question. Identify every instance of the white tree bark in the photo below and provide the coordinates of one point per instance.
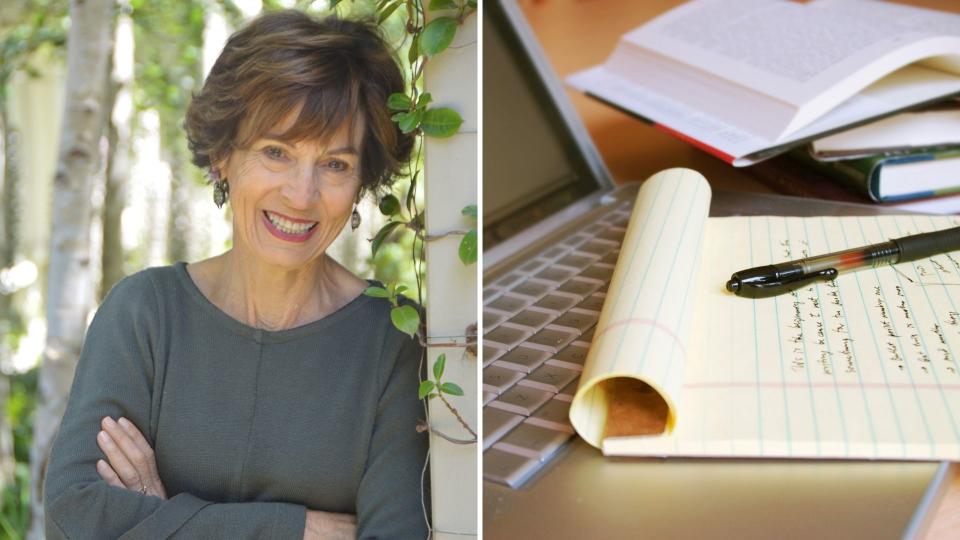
(69, 283)
(119, 163)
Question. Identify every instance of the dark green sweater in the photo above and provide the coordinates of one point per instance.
(250, 427)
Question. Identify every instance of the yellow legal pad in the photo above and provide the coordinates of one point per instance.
(862, 367)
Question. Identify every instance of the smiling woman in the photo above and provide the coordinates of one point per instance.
(258, 393)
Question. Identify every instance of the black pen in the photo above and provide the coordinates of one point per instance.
(774, 279)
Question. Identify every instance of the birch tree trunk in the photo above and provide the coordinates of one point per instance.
(8, 246)
(69, 283)
(119, 160)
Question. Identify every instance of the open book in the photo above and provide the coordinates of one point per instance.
(865, 366)
(745, 79)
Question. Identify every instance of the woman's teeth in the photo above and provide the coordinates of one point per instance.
(288, 226)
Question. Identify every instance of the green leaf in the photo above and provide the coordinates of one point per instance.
(468, 247)
(414, 51)
(472, 3)
(382, 235)
(376, 292)
(437, 5)
(441, 122)
(385, 14)
(412, 192)
(424, 100)
(451, 388)
(389, 205)
(400, 289)
(408, 121)
(406, 319)
(437, 35)
(425, 388)
(399, 102)
(438, 366)
(470, 211)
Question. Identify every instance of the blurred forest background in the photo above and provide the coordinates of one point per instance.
(147, 204)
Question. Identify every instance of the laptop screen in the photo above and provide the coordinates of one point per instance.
(532, 165)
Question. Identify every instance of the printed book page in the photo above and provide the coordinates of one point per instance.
(862, 367)
(793, 50)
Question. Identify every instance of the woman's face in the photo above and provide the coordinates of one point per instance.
(290, 200)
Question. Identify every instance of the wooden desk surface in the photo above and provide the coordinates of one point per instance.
(577, 34)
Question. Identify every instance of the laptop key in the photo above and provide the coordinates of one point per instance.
(524, 359)
(557, 302)
(585, 339)
(490, 293)
(490, 354)
(555, 415)
(611, 258)
(533, 441)
(577, 260)
(576, 239)
(550, 378)
(532, 319)
(613, 234)
(598, 247)
(509, 280)
(554, 252)
(555, 274)
(569, 391)
(576, 320)
(551, 339)
(580, 287)
(595, 229)
(531, 267)
(601, 272)
(571, 357)
(496, 424)
(507, 468)
(508, 303)
(521, 399)
(505, 336)
(498, 379)
(534, 289)
(492, 318)
(593, 302)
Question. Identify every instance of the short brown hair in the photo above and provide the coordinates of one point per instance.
(338, 70)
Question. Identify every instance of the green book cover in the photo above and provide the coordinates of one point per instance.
(895, 177)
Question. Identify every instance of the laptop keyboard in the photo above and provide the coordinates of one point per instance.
(538, 321)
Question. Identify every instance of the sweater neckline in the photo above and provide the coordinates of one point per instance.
(260, 334)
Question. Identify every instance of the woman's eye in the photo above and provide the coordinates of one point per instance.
(274, 152)
(337, 165)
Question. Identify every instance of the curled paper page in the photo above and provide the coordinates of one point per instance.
(633, 376)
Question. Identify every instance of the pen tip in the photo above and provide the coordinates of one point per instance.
(733, 285)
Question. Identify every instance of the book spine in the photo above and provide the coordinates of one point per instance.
(789, 176)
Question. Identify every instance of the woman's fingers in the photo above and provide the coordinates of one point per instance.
(131, 456)
(149, 465)
(108, 474)
(118, 460)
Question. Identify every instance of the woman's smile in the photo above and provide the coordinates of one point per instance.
(288, 228)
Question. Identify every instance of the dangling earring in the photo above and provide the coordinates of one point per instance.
(355, 216)
(221, 189)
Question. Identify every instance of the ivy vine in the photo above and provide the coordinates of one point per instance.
(415, 113)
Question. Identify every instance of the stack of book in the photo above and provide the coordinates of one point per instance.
(748, 80)
(910, 160)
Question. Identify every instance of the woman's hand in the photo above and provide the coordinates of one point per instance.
(132, 463)
(329, 526)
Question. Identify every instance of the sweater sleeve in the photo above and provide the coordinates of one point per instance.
(114, 377)
(389, 497)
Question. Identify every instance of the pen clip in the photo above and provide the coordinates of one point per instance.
(765, 289)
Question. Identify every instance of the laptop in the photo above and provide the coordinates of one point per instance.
(553, 223)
